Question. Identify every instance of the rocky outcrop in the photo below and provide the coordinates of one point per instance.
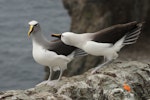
(107, 84)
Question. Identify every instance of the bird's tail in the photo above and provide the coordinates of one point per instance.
(130, 38)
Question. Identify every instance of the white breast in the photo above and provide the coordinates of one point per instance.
(49, 58)
(43, 56)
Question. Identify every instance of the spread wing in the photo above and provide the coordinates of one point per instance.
(79, 52)
(116, 32)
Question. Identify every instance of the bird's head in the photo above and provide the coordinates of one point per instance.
(65, 37)
(34, 27)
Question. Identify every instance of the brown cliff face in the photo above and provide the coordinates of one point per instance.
(93, 15)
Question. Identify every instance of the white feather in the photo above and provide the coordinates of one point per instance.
(49, 58)
(119, 44)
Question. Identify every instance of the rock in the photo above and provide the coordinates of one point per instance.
(94, 15)
(107, 84)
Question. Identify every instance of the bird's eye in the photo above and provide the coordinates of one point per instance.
(36, 25)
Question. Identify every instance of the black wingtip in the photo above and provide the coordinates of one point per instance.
(140, 24)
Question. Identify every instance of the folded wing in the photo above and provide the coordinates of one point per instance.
(62, 49)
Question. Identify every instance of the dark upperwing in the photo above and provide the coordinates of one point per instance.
(114, 33)
(60, 48)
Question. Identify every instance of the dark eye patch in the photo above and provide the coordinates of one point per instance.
(36, 25)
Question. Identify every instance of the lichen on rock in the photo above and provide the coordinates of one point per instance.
(107, 84)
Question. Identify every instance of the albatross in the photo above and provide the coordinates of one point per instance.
(106, 42)
(54, 54)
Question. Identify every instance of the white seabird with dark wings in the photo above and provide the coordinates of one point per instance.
(106, 42)
(55, 54)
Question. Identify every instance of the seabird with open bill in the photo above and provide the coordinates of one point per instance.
(106, 42)
(54, 54)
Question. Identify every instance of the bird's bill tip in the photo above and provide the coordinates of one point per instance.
(56, 35)
(30, 30)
